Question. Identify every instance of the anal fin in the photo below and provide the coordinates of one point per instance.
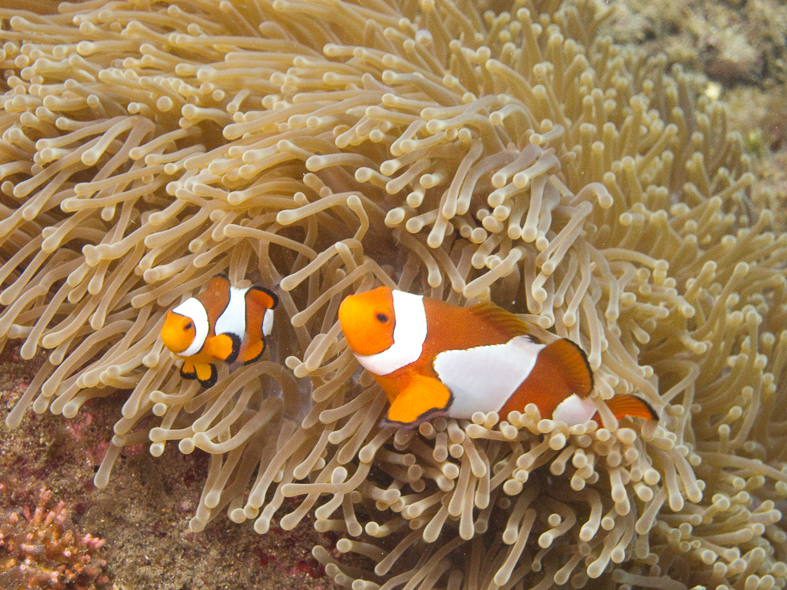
(206, 374)
(625, 405)
(253, 352)
(422, 397)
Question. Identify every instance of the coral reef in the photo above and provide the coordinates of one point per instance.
(38, 551)
(734, 43)
(467, 151)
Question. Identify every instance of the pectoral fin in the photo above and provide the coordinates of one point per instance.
(224, 347)
(423, 397)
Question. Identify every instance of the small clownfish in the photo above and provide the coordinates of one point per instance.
(221, 323)
(437, 359)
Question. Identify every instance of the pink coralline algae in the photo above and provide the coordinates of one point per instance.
(38, 551)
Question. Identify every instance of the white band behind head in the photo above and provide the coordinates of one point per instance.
(196, 312)
(408, 337)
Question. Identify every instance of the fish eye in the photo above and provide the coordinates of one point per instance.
(382, 318)
(189, 326)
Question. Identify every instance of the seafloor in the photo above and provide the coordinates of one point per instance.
(738, 46)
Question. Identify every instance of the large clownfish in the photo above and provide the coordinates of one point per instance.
(221, 323)
(437, 359)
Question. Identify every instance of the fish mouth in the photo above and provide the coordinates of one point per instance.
(172, 337)
(348, 314)
(356, 317)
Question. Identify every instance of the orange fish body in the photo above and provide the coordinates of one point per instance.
(221, 323)
(433, 358)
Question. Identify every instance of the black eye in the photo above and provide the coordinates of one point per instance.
(189, 326)
(382, 318)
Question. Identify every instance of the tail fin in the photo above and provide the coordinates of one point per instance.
(623, 405)
(577, 374)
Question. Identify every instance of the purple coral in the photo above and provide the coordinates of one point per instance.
(38, 551)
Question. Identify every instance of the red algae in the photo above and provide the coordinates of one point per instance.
(39, 550)
(143, 515)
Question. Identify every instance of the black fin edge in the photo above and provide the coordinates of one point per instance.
(189, 376)
(653, 414)
(269, 292)
(587, 363)
(210, 381)
(256, 358)
(425, 417)
(235, 348)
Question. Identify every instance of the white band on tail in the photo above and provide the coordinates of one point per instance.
(574, 410)
(408, 337)
(267, 322)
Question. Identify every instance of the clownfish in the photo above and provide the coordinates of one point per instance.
(221, 323)
(436, 359)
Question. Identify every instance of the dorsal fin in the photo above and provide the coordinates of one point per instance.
(263, 297)
(500, 318)
(218, 282)
(574, 365)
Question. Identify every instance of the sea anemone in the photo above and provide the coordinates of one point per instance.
(465, 150)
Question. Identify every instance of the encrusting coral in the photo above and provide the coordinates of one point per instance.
(464, 150)
(38, 551)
